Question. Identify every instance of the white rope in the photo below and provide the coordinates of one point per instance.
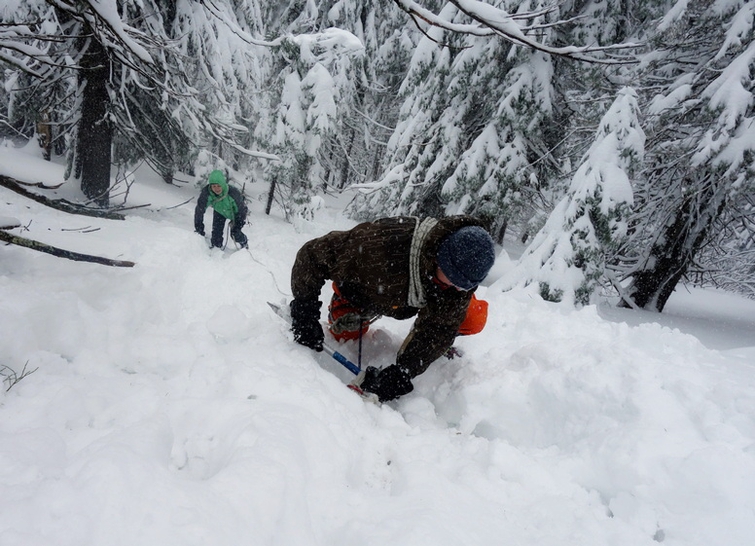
(416, 290)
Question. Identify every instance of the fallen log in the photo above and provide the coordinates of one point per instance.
(59, 252)
(38, 185)
(9, 223)
(59, 204)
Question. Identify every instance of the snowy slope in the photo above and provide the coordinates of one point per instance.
(169, 405)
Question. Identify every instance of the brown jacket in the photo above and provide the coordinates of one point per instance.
(370, 264)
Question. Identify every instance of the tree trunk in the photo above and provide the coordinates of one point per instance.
(344, 175)
(44, 134)
(502, 232)
(652, 287)
(671, 257)
(61, 253)
(271, 195)
(95, 133)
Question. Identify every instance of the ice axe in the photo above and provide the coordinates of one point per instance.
(338, 357)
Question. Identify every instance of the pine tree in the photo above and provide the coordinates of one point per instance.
(473, 136)
(566, 260)
(151, 80)
(219, 61)
(328, 98)
(32, 101)
(700, 147)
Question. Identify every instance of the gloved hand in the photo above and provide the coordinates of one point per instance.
(388, 383)
(200, 231)
(305, 323)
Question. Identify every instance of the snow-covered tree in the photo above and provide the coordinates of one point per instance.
(566, 259)
(315, 89)
(701, 143)
(729, 261)
(221, 51)
(30, 102)
(350, 55)
(149, 84)
(473, 135)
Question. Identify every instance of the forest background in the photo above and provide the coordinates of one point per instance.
(614, 137)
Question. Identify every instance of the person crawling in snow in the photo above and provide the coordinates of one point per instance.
(227, 204)
(400, 268)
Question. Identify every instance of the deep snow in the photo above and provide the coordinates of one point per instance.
(169, 406)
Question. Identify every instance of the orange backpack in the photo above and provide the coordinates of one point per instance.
(477, 317)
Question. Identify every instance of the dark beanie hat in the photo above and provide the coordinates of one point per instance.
(466, 256)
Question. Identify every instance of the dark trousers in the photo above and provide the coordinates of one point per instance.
(218, 224)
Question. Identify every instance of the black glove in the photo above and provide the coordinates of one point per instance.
(387, 384)
(200, 231)
(305, 323)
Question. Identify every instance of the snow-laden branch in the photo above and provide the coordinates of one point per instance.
(20, 63)
(103, 15)
(331, 42)
(221, 13)
(254, 153)
(492, 21)
(10, 41)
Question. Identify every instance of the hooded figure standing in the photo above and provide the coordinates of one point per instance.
(227, 204)
(400, 268)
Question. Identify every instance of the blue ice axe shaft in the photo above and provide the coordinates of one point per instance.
(338, 357)
(342, 360)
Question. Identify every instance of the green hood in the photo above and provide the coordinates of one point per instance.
(217, 177)
(222, 203)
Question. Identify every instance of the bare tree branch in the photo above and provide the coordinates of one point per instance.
(11, 377)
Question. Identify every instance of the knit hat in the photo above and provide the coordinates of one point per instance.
(466, 256)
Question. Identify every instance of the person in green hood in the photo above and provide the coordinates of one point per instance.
(227, 203)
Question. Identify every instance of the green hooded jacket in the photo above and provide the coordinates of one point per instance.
(222, 203)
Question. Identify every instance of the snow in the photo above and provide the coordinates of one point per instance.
(167, 404)
(673, 15)
(315, 46)
(107, 11)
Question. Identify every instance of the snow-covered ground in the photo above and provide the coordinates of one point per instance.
(168, 405)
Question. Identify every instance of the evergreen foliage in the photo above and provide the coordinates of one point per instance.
(471, 129)
(701, 130)
(568, 255)
(522, 112)
(330, 95)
